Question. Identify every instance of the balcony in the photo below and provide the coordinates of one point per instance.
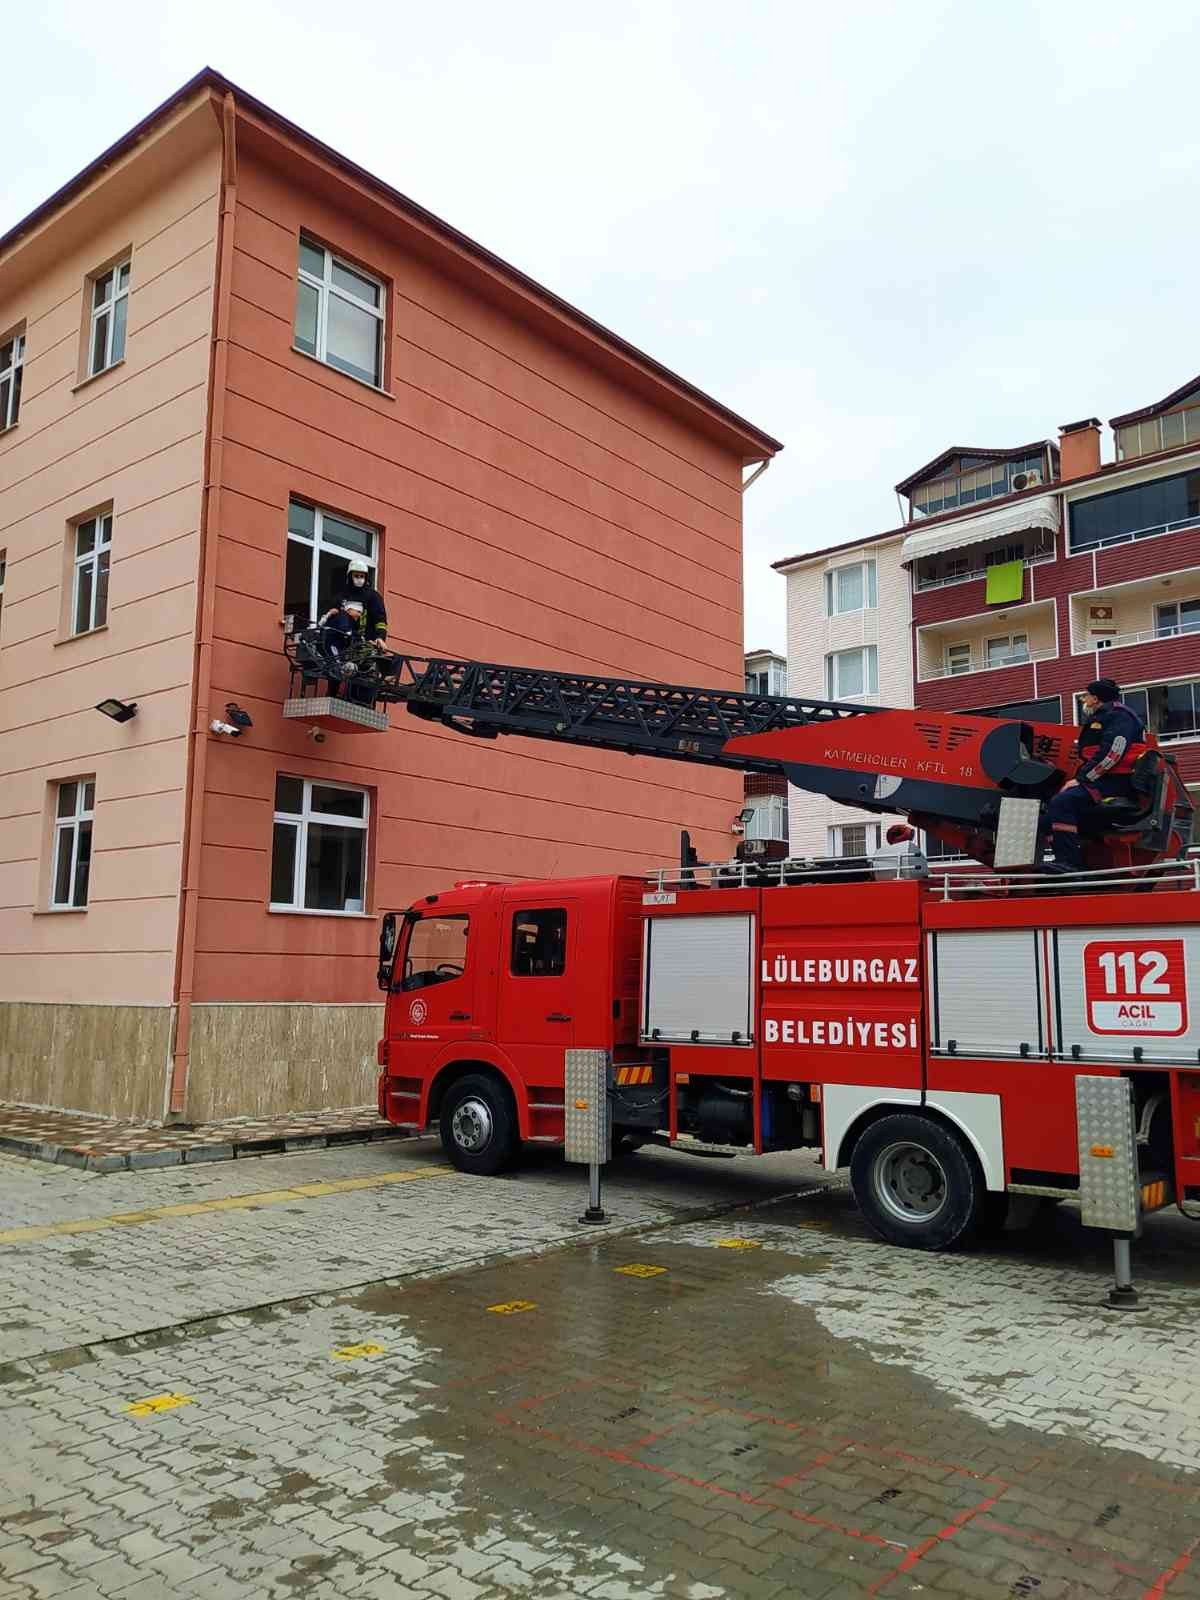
(1146, 611)
(941, 572)
(994, 641)
(960, 669)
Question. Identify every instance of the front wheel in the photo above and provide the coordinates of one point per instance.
(916, 1183)
(478, 1125)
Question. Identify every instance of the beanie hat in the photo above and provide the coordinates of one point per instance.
(1104, 689)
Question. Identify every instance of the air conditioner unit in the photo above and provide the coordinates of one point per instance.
(1026, 480)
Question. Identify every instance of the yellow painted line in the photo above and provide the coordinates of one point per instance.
(738, 1244)
(639, 1269)
(352, 1352)
(236, 1202)
(158, 1402)
(509, 1308)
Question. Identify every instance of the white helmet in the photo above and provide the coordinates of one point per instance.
(358, 565)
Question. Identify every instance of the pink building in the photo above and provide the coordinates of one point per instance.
(230, 361)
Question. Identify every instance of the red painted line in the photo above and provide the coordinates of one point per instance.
(821, 1461)
(935, 1539)
(1076, 1550)
(1166, 1578)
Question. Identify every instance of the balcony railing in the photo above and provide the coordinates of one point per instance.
(963, 669)
(1119, 641)
(1036, 559)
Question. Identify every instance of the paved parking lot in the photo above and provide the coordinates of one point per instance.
(757, 1403)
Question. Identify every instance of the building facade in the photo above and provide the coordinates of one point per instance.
(230, 362)
(848, 639)
(1021, 574)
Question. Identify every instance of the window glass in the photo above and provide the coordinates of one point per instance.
(110, 308)
(289, 794)
(1172, 430)
(12, 357)
(958, 658)
(333, 875)
(319, 848)
(436, 951)
(72, 849)
(539, 944)
(319, 550)
(338, 802)
(850, 588)
(1135, 512)
(347, 535)
(339, 314)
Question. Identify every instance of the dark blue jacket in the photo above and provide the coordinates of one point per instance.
(1109, 742)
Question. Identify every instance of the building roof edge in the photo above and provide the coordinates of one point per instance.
(209, 78)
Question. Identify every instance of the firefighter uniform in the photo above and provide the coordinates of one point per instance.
(1110, 741)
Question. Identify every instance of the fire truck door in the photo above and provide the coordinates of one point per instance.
(435, 1003)
(541, 988)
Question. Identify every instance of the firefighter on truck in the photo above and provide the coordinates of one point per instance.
(960, 1042)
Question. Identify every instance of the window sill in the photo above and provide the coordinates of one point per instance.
(88, 633)
(12, 428)
(326, 366)
(96, 376)
(300, 911)
(61, 911)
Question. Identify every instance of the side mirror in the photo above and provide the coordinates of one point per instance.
(387, 951)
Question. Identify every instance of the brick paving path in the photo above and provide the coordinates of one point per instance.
(769, 1405)
(103, 1144)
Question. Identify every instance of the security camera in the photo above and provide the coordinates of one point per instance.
(225, 727)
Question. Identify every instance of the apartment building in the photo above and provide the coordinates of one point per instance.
(1019, 574)
(848, 639)
(230, 361)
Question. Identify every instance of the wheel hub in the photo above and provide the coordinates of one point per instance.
(472, 1125)
(909, 1181)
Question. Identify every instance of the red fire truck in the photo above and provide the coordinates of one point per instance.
(953, 1038)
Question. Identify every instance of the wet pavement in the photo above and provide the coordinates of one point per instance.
(767, 1403)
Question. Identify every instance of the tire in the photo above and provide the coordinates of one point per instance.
(916, 1183)
(478, 1125)
(627, 1144)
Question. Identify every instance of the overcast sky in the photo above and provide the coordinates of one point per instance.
(875, 230)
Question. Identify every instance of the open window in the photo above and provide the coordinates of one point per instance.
(436, 951)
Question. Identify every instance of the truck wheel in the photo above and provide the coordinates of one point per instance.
(916, 1183)
(479, 1125)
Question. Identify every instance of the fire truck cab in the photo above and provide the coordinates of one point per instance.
(930, 1033)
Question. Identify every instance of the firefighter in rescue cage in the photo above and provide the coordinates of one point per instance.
(358, 586)
(1111, 739)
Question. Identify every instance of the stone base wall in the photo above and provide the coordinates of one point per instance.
(112, 1061)
(259, 1060)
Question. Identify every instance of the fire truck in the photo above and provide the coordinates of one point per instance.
(955, 1037)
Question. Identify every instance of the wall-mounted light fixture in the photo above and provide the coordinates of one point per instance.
(118, 710)
(743, 820)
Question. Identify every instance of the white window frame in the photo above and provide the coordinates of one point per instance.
(955, 666)
(301, 821)
(3, 575)
(11, 374)
(108, 307)
(1176, 629)
(318, 544)
(832, 585)
(325, 287)
(837, 838)
(101, 545)
(1012, 656)
(870, 655)
(770, 819)
(82, 813)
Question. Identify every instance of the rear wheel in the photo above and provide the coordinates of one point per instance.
(917, 1183)
(479, 1125)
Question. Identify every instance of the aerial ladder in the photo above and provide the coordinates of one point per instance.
(975, 783)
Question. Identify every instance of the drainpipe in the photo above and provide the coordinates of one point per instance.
(198, 737)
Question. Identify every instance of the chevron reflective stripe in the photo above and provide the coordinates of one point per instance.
(631, 1075)
(1155, 1196)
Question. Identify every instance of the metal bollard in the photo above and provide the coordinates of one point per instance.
(588, 1119)
(1122, 1296)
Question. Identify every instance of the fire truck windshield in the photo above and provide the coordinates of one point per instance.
(436, 951)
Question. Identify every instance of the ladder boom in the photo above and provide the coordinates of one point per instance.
(656, 719)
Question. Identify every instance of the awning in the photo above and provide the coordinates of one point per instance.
(1039, 512)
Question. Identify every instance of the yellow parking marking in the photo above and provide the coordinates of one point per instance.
(157, 1403)
(738, 1244)
(639, 1269)
(352, 1352)
(509, 1308)
(236, 1202)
